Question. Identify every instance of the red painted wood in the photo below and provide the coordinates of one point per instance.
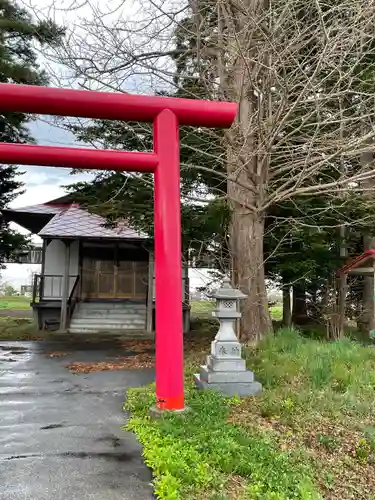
(168, 272)
(26, 154)
(367, 254)
(112, 105)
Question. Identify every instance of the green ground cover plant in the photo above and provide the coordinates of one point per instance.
(309, 435)
(203, 455)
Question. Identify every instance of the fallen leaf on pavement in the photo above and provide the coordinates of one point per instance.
(138, 346)
(129, 363)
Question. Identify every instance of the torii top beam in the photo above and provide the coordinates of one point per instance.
(113, 106)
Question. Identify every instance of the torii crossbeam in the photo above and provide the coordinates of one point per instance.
(166, 114)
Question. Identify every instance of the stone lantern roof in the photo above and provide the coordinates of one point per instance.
(227, 292)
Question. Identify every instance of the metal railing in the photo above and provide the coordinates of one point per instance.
(74, 297)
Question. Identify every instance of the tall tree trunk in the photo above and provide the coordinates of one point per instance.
(247, 231)
(287, 306)
(299, 312)
(246, 243)
(247, 165)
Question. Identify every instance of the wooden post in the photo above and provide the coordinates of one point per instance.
(150, 292)
(186, 301)
(43, 270)
(35, 287)
(80, 270)
(65, 288)
(44, 249)
(186, 297)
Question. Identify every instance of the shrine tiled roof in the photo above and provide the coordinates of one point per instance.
(76, 222)
(69, 220)
(43, 208)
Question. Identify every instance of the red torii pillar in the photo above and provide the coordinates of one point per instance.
(166, 114)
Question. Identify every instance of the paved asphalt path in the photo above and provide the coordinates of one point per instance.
(60, 434)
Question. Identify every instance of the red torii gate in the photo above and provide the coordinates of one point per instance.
(167, 114)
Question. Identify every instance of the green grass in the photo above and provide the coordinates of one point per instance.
(202, 455)
(309, 435)
(315, 376)
(15, 302)
(17, 329)
(202, 308)
(276, 313)
(320, 396)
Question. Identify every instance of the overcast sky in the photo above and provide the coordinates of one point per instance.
(43, 184)
(46, 183)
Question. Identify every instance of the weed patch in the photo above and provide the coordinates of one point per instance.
(202, 454)
(310, 434)
(18, 329)
(322, 393)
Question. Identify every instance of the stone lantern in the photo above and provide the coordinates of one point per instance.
(225, 370)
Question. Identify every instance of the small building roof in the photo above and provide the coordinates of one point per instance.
(43, 208)
(75, 222)
(60, 218)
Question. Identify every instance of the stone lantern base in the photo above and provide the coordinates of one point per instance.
(228, 376)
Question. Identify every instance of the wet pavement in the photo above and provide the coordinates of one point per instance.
(61, 434)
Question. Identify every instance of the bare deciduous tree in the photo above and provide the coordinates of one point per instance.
(301, 71)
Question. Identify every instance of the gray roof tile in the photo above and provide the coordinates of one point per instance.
(75, 222)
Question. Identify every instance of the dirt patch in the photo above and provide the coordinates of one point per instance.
(17, 328)
(16, 313)
(139, 354)
(136, 362)
(139, 346)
